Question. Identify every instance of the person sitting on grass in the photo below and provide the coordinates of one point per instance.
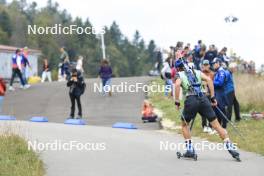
(148, 113)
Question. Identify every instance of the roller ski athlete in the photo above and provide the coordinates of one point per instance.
(196, 102)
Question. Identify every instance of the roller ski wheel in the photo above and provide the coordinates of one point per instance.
(149, 121)
(179, 155)
(186, 155)
(237, 158)
(234, 153)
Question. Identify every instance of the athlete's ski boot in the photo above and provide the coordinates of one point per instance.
(232, 149)
(190, 153)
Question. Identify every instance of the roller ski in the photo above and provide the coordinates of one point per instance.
(232, 150)
(190, 153)
(150, 119)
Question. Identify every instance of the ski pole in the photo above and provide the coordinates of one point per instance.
(192, 123)
(236, 130)
(182, 116)
(190, 128)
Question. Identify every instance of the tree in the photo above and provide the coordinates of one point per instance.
(136, 38)
(5, 23)
(116, 34)
(3, 37)
(128, 58)
(151, 51)
(31, 11)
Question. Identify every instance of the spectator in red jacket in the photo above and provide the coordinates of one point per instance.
(148, 112)
(2, 92)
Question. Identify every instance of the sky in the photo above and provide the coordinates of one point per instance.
(169, 21)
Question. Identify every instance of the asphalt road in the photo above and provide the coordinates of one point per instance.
(119, 152)
(52, 100)
(113, 152)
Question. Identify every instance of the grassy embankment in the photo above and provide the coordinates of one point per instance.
(16, 159)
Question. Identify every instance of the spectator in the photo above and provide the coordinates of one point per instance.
(197, 54)
(222, 55)
(220, 94)
(231, 97)
(166, 74)
(16, 70)
(186, 50)
(148, 112)
(105, 74)
(208, 72)
(79, 65)
(2, 92)
(189, 58)
(46, 73)
(25, 64)
(210, 54)
(65, 63)
(77, 86)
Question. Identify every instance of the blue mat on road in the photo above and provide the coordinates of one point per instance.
(7, 117)
(75, 122)
(124, 125)
(39, 119)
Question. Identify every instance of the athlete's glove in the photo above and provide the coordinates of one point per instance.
(177, 104)
(213, 101)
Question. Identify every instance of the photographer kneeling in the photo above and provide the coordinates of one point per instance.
(77, 87)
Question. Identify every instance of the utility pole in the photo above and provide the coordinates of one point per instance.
(103, 46)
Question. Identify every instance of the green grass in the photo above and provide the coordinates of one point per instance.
(252, 130)
(250, 92)
(16, 159)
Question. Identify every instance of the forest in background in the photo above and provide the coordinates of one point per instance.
(128, 58)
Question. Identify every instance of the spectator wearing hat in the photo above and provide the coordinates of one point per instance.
(220, 78)
(209, 73)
